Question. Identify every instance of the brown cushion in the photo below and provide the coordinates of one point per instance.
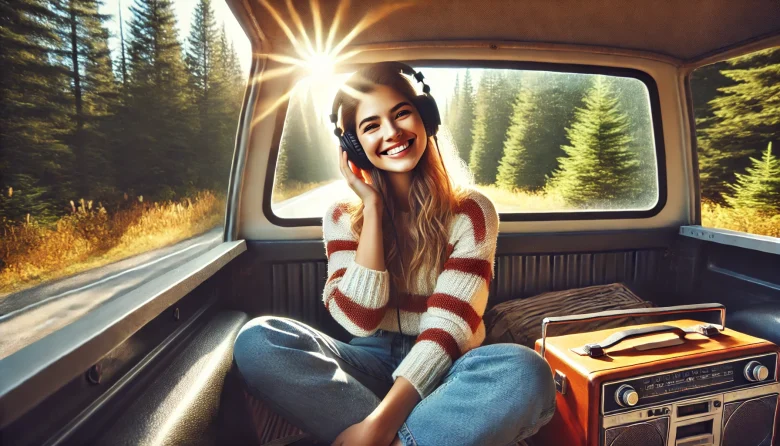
(520, 320)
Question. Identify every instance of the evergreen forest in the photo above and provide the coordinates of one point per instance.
(157, 122)
(585, 142)
(103, 157)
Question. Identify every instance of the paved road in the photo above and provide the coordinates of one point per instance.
(314, 202)
(30, 314)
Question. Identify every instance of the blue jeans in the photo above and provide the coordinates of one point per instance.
(493, 395)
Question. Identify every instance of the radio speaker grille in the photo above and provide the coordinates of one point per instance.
(650, 433)
(749, 422)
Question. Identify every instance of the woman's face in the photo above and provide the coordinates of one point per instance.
(390, 130)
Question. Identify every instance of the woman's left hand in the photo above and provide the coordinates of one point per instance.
(364, 433)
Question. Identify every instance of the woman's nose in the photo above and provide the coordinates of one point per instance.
(393, 132)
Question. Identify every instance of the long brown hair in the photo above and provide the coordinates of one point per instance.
(433, 196)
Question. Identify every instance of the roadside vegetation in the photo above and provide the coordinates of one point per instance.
(91, 236)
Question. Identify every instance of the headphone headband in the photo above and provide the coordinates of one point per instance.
(402, 67)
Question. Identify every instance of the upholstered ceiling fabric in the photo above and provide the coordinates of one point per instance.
(682, 29)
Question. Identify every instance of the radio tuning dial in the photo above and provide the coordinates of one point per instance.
(755, 371)
(626, 396)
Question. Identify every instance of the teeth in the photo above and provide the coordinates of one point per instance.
(399, 149)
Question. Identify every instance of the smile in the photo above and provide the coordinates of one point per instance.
(398, 149)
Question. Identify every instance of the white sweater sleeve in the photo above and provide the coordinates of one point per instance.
(354, 295)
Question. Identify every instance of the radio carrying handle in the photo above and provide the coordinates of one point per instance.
(614, 314)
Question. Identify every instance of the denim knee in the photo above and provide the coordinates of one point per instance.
(253, 347)
(531, 378)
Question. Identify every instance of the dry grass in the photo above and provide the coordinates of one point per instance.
(506, 201)
(712, 215)
(751, 221)
(91, 237)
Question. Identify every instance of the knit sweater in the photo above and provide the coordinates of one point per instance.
(444, 312)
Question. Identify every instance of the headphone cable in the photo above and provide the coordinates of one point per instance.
(401, 263)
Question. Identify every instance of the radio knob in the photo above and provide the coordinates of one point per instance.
(755, 371)
(626, 396)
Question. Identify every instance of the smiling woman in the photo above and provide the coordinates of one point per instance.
(435, 269)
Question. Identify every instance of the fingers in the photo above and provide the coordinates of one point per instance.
(343, 166)
(350, 171)
(356, 171)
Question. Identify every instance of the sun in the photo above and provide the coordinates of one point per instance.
(319, 61)
(321, 65)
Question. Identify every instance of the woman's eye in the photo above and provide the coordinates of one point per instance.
(403, 113)
(369, 127)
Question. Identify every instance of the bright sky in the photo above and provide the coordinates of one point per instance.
(183, 10)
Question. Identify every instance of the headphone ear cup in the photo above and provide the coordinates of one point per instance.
(429, 112)
(355, 152)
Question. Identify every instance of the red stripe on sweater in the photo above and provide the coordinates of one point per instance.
(340, 210)
(340, 245)
(414, 303)
(337, 274)
(365, 318)
(477, 217)
(456, 306)
(472, 266)
(441, 337)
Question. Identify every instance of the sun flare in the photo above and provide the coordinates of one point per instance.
(318, 60)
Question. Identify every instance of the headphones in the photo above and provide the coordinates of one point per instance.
(425, 104)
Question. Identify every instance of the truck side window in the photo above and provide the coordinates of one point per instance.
(736, 104)
(118, 135)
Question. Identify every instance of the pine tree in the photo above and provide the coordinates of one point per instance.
(600, 170)
(122, 52)
(93, 94)
(515, 166)
(464, 118)
(32, 112)
(452, 106)
(296, 146)
(236, 77)
(553, 100)
(206, 63)
(745, 117)
(231, 92)
(759, 189)
(158, 117)
(633, 102)
(494, 111)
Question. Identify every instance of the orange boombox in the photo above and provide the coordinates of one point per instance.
(680, 383)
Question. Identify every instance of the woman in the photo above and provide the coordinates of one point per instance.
(416, 246)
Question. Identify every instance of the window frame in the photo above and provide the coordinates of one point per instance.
(38, 370)
(642, 76)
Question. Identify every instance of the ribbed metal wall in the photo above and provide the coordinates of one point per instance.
(523, 276)
(296, 288)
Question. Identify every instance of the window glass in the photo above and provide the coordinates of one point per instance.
(533, 141)
(119, 121)
(736, 105)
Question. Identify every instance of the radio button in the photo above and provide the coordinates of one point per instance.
(755, 371)
(626, 396)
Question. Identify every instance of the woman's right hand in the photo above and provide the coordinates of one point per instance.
(367, 193)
